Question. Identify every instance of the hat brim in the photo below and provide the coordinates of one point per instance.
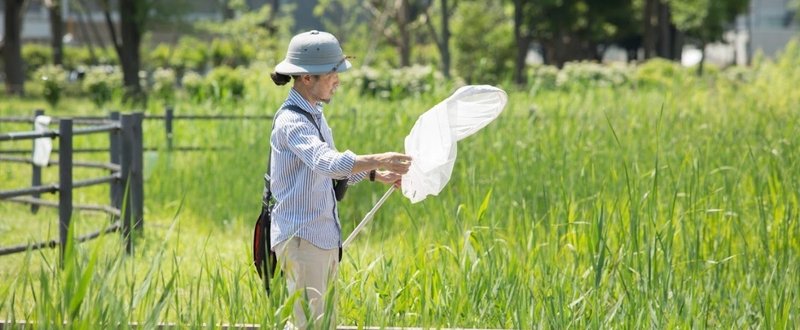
(290, 69)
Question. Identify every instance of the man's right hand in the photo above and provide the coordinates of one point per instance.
(391, 161)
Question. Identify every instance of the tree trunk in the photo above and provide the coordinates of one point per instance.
(649, 34)
(702, 58)
(664, 32)
(56, 31)
(131, 33)
(12, 48)
(404, 42)
(523, 42)
(445, 42)
(677, 43)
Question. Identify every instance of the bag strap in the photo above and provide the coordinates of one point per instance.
(268, 176)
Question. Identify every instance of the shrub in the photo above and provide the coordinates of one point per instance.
(36, 56)
(591, 74)
(225, 82)
(164, 84)
(231, 53)
(101, 82)
(75, 57)
(193, 83)
(53, 79)
(395, 83)
(190, 53)
(659, 72)
(544, 76)
(160, 56)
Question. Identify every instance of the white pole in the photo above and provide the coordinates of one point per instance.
(368, 217)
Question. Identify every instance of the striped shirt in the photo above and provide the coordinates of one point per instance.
(301, 171)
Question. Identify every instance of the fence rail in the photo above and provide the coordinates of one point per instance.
(103, 123)
(75, 163)
(116, 226)
(125, 150)
(82, 207)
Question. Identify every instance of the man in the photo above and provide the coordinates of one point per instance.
(305, 231)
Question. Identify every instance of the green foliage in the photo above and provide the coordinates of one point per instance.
(75, 57)
(193, 83)
(160, 56)
(590, 74)
(191, 53)
(101, 83)
(255, 34)
(483, 56)
(544, 76)
(660, 73)
(706, 20)
(53, 79)
(230, 53)
(224, 83)
(35, 57)
(164, 85)
(394, 84)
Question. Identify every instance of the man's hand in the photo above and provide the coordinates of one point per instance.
(391, 161)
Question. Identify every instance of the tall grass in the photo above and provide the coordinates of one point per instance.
(631, 207)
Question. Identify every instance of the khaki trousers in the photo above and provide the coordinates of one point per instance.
(312, 271)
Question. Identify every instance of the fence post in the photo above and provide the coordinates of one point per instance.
(126, 145)
(137, 173)
(64, 182)
(168, 115)
(36, 178)
(115, 141)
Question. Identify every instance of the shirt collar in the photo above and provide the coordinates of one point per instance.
(296, 99)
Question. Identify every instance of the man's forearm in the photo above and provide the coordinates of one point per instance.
(366, 163)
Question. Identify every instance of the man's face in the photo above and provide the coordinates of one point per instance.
(324, 86)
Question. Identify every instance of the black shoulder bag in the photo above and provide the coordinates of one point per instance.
(264, 258)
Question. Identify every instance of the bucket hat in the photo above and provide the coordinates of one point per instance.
(313, 52)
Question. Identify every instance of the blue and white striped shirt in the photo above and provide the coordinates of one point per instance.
(301, 172)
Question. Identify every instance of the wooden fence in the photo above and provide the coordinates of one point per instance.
(125, 151)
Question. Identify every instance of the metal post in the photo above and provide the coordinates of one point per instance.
(137, 174)
(126, 122)
(168, 123)
(115, 142)
(64, 182)
(36, 178)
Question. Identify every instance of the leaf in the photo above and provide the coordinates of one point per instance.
(484, 204)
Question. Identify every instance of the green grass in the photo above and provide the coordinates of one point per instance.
(635, 207)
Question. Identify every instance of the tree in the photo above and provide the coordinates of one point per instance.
(134, 18)
(660, 37)
(56, 30)
(442, 38)
(396, 20)
(482, 55)
(132, 15)
(567, 30)
(705, 20)
(12, 47)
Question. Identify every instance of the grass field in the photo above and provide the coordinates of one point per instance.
(669, 206)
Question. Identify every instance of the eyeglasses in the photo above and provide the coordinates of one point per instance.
(336, 67)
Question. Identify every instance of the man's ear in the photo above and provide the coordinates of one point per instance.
(309, 79)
